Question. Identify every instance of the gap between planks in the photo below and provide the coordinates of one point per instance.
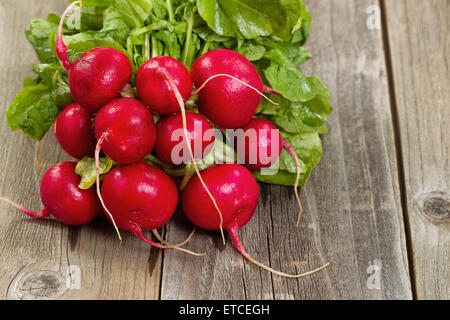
(398, 145)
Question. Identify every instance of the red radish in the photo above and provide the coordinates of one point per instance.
(260, 147)
(63, 199)
(227, 103)
(126, 130)
(164, 73)
(201, 138)
(260, 144)
(74, 131)
(140, 197)
(98, 75)
(236, 191)
(154, 90)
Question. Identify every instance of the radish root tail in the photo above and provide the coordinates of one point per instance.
(34, 214)
(137, 231)
(234, 78)
(291, 150)
(158, 236)
(177, 246)
(234, 233)
(97, 165)
(177, 93)
(61, 47)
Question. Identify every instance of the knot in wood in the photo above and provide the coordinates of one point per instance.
(435, 206)
(40, 285)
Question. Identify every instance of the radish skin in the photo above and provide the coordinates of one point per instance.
(224, 75)
(98, 76)
(197, 127)
(140, 197)
(63, 199)
(157, 93)
(130, 128)
(74, 131)
(177, 93)
(237, 192)
(225, 102)
(250, 152)
(126, 132)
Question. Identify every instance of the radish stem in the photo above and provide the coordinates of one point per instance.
(189, 173)
(170, 10)
(61, 47)
(291, 150)
(268, 89)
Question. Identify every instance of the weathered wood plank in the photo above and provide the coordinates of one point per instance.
(420, 48)
(353, 214)
(35, 255)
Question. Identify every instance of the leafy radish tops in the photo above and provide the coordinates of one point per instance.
(271, 37)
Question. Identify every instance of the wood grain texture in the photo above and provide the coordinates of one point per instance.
(420, 52)
(35, 255)
(353, 214)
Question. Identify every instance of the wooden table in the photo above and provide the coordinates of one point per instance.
(377, 207)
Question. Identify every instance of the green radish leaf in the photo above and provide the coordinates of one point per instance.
(308, 147)
(36, 107)
(77, 48)
(134, 12)
(213, 13)
(252, 18)
(50, 74)
(114, 29)
(285, 78)
(300, 32)
(86, 170)
(39, 33)
(268, 108)
(91, 17)
(252, 51)
(298, 117)
(270, 33)
(291, 83)
(96, 3)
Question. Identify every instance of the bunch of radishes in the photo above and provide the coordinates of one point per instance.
(136, 195)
